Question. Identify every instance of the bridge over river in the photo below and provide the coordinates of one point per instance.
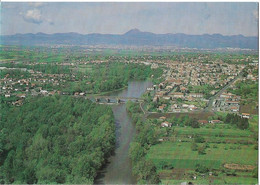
(113, 99)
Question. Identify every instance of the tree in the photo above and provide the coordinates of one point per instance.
(194, 146)
(136, 152)
(145, 170)
(201, 150)
(201, 168)
(199, 139)
(45, 139)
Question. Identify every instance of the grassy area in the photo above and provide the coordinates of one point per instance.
(85, 68)
(253, 122)
(215, 180)
(182, 156)
(212, 132)
(226, 144)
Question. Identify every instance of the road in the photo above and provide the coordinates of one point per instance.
(209, 106)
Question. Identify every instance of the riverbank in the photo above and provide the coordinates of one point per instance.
(118, 169)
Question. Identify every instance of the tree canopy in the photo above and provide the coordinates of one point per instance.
(54, 140)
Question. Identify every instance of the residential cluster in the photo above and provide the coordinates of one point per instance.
(189, 85)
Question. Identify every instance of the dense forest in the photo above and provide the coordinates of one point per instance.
(54, 140)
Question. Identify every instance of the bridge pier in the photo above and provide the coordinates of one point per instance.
(118, 100)
(97, 99)
(108, 100)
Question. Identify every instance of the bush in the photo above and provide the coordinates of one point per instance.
(199, 139)
(206, 145)
(234, 119)
(201, 168)
(165, 165)
(231, 173)
(255, 172)
(201, 150)
(194, 147)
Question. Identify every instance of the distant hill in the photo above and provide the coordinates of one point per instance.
(135, 37)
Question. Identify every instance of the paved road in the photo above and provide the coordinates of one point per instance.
(209, 106)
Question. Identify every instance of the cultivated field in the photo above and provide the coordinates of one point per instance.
(230, 155)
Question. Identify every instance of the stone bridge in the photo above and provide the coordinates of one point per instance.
(113, 99)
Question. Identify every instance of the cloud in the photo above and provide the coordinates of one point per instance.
(50, 21)
(35, 16)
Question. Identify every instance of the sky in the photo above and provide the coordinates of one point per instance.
(118, 18)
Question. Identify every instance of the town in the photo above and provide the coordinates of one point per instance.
(196, 82)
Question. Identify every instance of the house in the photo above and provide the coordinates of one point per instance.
(7, 95)
(174, 106)
(44, 92)
(156, 99)
(183, 89)
(196, 95)
(226, 95)
(166, 97)
(213, 92)
(21, 95)
(169, 87)
(149, 88)
(161, 107)
(18, 103)
(162, 118)
(234, 109)
(176, 110)
(215, 121)
(245, 115)
(177, 95)
(185, 105)
(52, 93)
(232, 103)
(154, 66)
(203, 122)
(166, 124)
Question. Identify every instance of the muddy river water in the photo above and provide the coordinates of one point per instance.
(118, 170)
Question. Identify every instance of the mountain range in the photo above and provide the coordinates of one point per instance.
(134, 37)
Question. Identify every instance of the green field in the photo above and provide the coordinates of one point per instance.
(182, 156)
(226, 144)
(213, 132)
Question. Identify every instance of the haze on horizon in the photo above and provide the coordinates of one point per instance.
(118, 18)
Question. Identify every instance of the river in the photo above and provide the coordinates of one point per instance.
(118, 170)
